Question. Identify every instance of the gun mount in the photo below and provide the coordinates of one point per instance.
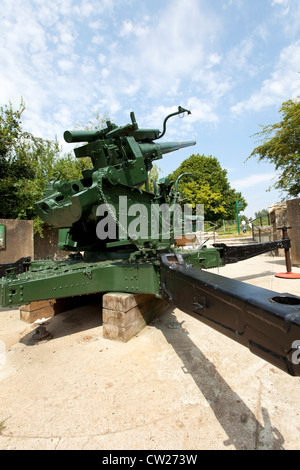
(113, 250)
(121, 158)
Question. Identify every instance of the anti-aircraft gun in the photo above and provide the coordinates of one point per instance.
(114, 250)
(121, 157)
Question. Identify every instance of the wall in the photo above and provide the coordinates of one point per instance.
(18, 240)
(47, 246)
(287, 214)
(278, 218)
(293, 214)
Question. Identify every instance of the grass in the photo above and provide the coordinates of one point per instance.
(233, 234)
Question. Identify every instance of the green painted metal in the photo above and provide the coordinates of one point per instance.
(58, 279)
(130, 260)
(147, 260)
(121, 158)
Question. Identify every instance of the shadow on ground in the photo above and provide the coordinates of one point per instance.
(255, 276)
(84, 317)
(240, 424)
(244, 431)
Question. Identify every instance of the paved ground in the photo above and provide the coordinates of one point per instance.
(177, 385)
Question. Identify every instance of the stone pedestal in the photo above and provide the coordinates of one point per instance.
(278, 218)
(293, 213)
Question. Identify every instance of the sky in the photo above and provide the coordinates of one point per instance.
(231, 62)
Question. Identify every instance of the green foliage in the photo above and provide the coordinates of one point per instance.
(282, 148)
(26, 164)
(96, 122)
(15, 166)
(10, 130)
(153, 175)
(208, 186)
(261, 213)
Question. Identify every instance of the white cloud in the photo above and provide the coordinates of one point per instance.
(96, 25)
(98, 39)
(284, 4)
(237, 3)
(38, 50)
(72, 58)
(238, 57)
(253, 180)
(201, 111)
(171, 48)
(283, 84)
(101, 58)
(78, 54)
(138, 28)
(127, 28)
(280, 2)
(66, 65)
(63, 116)
(86, 8)
(51, 60)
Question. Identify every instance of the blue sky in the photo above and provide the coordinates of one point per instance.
(232, 62)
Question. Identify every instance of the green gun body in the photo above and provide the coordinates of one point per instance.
(121, 159)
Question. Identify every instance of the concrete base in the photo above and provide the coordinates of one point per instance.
(124, 315)
(177, 385)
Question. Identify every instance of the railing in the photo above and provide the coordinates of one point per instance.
(209, 227)
(264, 220)
(198, 238)
(262, 232)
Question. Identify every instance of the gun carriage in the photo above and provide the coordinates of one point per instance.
(97, 221)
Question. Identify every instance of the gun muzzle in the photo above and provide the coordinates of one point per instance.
(167, 147)
(155, 151)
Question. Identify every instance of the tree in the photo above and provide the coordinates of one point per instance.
(10, 130)
(26, 164)
(153, 175)
(208, 186)
(282, 149)
(15, 168)
(261, 213)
